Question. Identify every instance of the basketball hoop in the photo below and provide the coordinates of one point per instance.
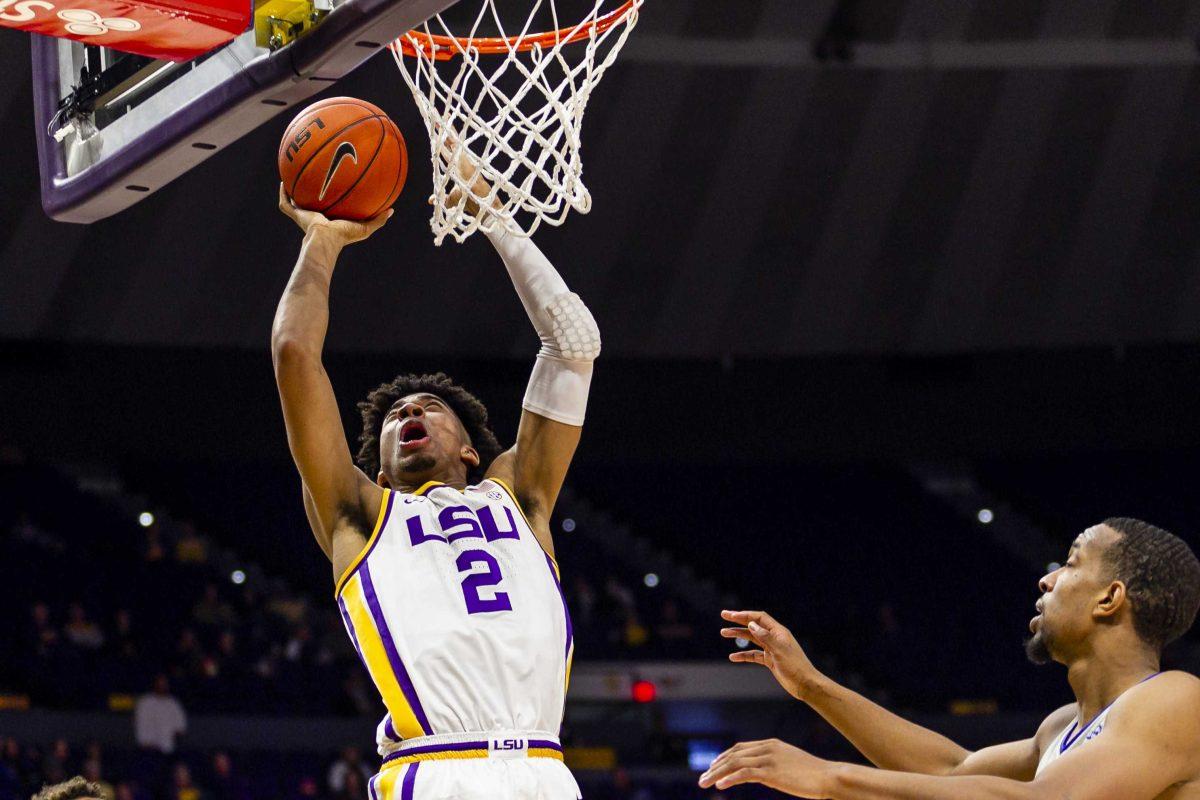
(517, 116)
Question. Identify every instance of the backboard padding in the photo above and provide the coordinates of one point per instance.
(225, 97)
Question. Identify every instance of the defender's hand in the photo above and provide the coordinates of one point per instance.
(340, 231)
(771, 763)
(780, 652)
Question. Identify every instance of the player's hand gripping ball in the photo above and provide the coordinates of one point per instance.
(344, 158)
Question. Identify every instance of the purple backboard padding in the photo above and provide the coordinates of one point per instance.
(329, 52)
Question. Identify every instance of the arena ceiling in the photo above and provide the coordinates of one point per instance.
(955, 175)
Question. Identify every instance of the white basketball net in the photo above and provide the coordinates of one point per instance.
(526, 140)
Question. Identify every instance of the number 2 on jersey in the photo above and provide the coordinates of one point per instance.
(476, 604)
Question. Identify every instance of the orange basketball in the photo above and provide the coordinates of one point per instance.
(343, 157)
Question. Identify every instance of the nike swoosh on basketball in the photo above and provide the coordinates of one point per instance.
(344, 150)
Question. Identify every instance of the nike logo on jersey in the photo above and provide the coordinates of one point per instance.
(344, 150)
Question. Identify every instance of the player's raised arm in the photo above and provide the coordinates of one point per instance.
(885, 739)
(556, 398)
(341, 496)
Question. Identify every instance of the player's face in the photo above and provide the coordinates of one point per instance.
(1069, 597)
(422, 439)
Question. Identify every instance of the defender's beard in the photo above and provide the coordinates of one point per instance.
(1036, 649)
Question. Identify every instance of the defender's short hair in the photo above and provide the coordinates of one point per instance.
(74, 789)
(470, 411)
(1161, 576)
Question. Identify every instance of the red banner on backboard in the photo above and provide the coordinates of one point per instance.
(176, 30)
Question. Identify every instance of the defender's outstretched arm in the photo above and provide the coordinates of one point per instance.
(338, 497)
(885, 739)
(1149, 744)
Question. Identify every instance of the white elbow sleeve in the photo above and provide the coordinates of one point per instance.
(562, 375)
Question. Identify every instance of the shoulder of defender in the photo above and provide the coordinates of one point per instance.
(1054, 724)
(1173, 689)
(1168, 704)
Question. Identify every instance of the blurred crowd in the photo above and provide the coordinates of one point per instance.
(149, 774)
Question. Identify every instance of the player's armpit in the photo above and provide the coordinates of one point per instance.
(1150, 742)
(1017, 760)
(323, 537)
(536, 467)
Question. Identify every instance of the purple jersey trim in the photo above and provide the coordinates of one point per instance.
(350, 630)
(389, 730)
(566, 611)
(361, 561)
(410, 778)
(389, 646)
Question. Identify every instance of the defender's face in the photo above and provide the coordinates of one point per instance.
(1070, 594)
(422, 438)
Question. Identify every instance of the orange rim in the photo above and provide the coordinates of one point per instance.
(444, 48)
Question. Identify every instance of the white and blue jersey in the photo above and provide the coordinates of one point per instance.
(1076, 735)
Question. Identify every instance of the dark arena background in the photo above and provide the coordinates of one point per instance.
(896, 298)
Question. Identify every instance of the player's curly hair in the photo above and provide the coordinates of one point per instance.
(74, 789)
(470, 411)
(1161, 576)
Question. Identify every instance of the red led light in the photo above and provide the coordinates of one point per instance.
(644, 692)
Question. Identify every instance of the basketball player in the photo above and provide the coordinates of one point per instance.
(1133, 733)
(440, 542)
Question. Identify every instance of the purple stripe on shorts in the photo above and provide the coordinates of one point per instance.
(350, 629)
(393, 655)
(458, 747)
(437, 748)
(410, 778)
(566, 611)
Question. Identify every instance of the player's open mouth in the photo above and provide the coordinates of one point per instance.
(413, 435)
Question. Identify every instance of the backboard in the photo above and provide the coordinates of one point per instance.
(113, 128)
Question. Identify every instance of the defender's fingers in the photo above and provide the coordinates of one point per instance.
(744, 775)
(737, 751)
(746, 617)
(749, 758)
(749, 657)
(759, 631)
(735, 633)
(740, 633)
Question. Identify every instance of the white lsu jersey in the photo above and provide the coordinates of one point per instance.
(459, 616)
